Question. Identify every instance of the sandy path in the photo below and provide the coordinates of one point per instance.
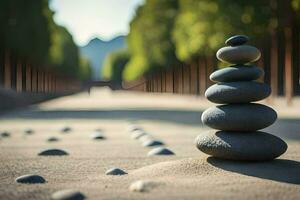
(187, 175)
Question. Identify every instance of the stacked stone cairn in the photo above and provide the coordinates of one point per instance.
(238, 120)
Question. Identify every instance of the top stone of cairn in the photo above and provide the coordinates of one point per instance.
(237, 40)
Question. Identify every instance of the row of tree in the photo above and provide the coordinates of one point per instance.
(29, 33)
(166, 32)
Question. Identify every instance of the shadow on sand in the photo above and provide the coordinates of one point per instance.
(280, 170)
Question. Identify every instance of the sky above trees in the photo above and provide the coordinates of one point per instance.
(86, 19)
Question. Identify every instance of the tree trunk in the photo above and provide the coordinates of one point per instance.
(288, 66)
(7, 70)
(19, 76)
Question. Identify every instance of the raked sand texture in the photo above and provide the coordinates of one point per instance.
(189, 174)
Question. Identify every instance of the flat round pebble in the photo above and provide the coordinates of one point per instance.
(68, 194)
(5, 134)
(115, 171)
(151, 143)
(141, 186)
(52, 139)
(239, 117)
(133, 127)
(53, 152)
(137, 134)
(66, 130)
(251, 146)
(237, 92)
(238, 54)
(237, 40)
(97, 136)
(30, 179)
(237, 73)
(160, 151)
(29, 131)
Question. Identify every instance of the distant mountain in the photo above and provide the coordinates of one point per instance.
(96, 51)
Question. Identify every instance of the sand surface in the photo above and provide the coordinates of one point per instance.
(173, 119)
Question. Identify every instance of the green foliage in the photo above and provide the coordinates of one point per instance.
(149, 40)
(201, 27)
(85, 70)
(24, 28)
(114, 65)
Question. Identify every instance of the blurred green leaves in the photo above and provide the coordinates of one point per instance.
(164, 32)
(28, 30)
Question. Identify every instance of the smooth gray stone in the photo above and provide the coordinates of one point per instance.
(151, 143)
(66, 130)
(137, 134)
(53, 152)
(52, 139)
(97, 136)
(68, 194)
(251, 146)
(237, 40)
(238, 54)
(133, 127)
(237, 92)
(237, 73)
(115, 171)
(160, 151)
(239, 117)
(145, 138)
(5, 134)
(29, 131)
(30, 179)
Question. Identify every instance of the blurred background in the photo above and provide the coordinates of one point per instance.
(56, 47)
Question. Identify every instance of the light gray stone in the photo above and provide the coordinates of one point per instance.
(239, 117)
(30, 179)
(160, 151)
(237, 73)
(251, 146)
(142, 186)
(137, 134)
(152, 143)
(238, 54)
(237, 40)
(68, 194)
(237, 92)
(97, 136)
(115, 171)
(53, 152)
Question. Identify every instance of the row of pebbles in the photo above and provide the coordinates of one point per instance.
(71, 194)
(67, 194)
(147, 140)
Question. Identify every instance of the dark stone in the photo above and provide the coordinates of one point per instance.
(237, 73)
(238, 54)
(237, 40)
(251, 146)
(237, 92)
(68, 195)
(53, 152)
(30, 179)
(66, 130)
(52, 139)
(239, 117)
(160, 151)
(5, 134)
(151, 143)
(29, 131)
(115, 171)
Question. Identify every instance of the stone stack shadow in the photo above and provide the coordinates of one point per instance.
(238, 119)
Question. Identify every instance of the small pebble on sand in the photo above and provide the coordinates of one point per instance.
(53, 152)
(30, 179)
(115, 171)
(160, 151)
(68, 194)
